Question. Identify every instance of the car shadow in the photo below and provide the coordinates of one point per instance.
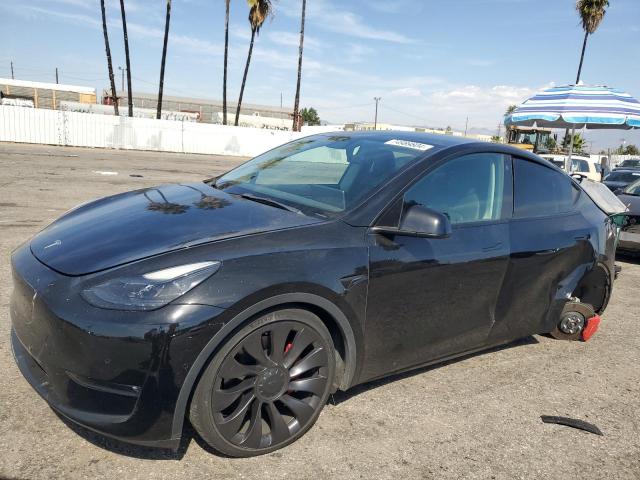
(628, 258)
(188, 433)
(340, 396)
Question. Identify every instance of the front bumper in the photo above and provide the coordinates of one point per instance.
(118, 373)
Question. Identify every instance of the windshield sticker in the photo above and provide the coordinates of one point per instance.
(407, 144)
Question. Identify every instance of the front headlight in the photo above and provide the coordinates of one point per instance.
(151, 290)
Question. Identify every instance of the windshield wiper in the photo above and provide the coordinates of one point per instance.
(269, 201)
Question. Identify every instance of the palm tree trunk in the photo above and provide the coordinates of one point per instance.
(112, 80)
(126, 55)
(164, 58)
(244, 77)
(226, 52)
(584, 47)
(296, 103)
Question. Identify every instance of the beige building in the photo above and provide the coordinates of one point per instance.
(42, 95)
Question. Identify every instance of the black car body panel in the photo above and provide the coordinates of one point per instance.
(396, 302)
(134, 225)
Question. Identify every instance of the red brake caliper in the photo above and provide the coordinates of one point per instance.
(287, 347)
(591, 328)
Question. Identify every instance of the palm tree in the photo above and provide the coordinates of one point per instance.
(126, 56)
(510, 110)
(591, 14)
(226, 53)
(164, 59)
(259, 11)
(296, 103)
(114, 96)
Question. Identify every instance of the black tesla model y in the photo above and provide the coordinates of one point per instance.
(240, 303)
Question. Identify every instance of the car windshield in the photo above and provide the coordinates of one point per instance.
(322, 174)
(634, 162)
(623, 177)
(633, 189)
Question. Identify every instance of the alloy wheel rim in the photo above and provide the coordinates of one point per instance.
(269, 387)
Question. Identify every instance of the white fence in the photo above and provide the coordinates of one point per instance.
(55, 127)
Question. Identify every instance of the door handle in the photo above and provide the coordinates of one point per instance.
(490, 248)
(551, 251)
(586, 236)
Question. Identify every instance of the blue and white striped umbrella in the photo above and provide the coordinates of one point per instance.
(578, 106)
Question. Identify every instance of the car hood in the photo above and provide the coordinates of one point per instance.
(134, 225)
(632, 202)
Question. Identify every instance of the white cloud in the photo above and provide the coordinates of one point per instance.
(405, 92)
(356, 52)
(435, 105)
(291, 39)
(328, 16)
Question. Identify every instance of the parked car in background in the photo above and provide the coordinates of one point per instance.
(629, 163)
(580, 165)
(629, 241)
(243, 302)
(619, 178)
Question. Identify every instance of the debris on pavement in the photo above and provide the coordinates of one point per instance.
(572, 422)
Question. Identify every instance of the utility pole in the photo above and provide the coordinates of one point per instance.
(466, 125)
(375, 120)
(57, 75)
(12, 78)
(122, 70)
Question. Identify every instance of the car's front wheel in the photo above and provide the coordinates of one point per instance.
(266, 386)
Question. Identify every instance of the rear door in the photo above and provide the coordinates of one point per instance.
(550, 250)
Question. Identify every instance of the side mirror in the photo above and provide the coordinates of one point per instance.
(419, 221)
(618, 191)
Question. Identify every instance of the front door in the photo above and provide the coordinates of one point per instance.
(431, 298)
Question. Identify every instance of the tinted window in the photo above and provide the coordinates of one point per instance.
(630, 163)
(579, 166)
(633, 189)
(623, 176)
(540, 191)
(467, 189)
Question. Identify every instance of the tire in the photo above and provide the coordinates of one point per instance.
(266, 386)
(583, 310)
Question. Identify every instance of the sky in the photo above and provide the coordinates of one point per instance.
(434, 63)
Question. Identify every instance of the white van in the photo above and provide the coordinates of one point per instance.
(580, 165)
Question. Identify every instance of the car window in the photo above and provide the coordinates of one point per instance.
(324, 174)
(633, 189)
(630, 163)
(541, 191)
(622, 176)
(578, 165)
(321, 165)
(469, 188)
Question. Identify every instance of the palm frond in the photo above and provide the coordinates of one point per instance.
(259, 11)
(591, 13)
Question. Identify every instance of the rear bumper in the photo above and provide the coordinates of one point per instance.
(117, 373)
